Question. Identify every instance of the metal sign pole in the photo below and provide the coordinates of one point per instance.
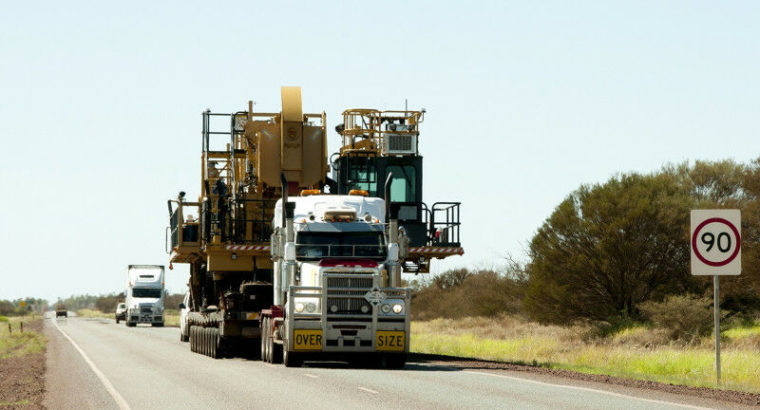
(716, 302)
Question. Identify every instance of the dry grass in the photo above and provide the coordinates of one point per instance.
(171, 316)
(636, 352)
(15, 343)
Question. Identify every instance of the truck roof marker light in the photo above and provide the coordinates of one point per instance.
(307, 192)
(361, 192)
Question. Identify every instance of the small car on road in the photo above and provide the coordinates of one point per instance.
(121, 312)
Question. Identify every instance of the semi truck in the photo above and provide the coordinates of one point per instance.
(145, 295)
(296, 265)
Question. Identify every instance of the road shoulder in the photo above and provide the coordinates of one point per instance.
(70, 383)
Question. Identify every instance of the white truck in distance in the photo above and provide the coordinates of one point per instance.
(334, 268)
(145, 295)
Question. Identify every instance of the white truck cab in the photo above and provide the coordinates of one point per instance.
(333, 272)
(145, 295)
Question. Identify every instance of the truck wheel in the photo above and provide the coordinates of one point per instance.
(291, 359)
(160, 324)
(209, 342)
(263, 340)
(183, 337)
(215, 346)
(267, 322)
(117, 320)
(204, 341)
(193, 340)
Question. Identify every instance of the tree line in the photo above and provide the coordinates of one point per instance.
(610, 248)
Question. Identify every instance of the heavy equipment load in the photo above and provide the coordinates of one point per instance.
(378, 144)
(277, 262)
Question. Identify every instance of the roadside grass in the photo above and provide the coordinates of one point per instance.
(637, 352)
(94, 313)
(14, 404)
(16, 343)
(171, 316)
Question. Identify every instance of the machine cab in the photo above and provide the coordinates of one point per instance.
(381, 144)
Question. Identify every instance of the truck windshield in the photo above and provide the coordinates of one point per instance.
(146, 293)
(319, 245)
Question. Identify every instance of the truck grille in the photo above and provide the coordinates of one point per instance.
(360, 283)
(349, 306)
(348, 302)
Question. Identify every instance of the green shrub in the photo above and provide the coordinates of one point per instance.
(462, 293)
(685, 318)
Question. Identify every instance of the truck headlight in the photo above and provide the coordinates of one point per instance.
(306, 305)
(398, 308)
(385, 308)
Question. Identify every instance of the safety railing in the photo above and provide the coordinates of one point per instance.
(444, 224)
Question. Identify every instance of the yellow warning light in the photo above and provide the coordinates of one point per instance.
(361, 192)
(307, 192)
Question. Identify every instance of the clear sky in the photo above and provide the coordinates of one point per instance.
(100, 108)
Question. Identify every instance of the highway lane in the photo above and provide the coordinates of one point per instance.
(147, 368)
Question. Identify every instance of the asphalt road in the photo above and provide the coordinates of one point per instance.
(96, 364)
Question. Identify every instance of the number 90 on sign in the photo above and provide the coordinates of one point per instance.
(715, 242)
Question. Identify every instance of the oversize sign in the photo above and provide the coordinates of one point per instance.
(307, 339)
(716, 242)
(390, 341)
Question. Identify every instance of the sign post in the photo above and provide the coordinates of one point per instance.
(716, 250)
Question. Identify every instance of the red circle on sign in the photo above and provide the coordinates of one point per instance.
(724, 222)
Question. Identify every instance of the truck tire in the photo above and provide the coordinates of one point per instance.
(129, 324)
(117, 320)
(215, 351)
(193, 342)
(160, 324)
(205, 341)
(183, 337)
(263, 340)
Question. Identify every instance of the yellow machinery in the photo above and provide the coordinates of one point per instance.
(228, 245)
(378, 145)
(249, 161)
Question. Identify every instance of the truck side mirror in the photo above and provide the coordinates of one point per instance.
(181, 306)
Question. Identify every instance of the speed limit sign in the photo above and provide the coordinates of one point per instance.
(716, 244)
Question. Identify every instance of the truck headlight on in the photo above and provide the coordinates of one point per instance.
(306, 305)
(392, 307)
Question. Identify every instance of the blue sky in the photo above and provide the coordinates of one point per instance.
(100, 109)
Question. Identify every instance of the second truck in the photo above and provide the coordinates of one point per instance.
(278, 264)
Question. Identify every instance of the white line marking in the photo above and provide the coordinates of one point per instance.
(687, 406)
(313, 376)
(368, 390)
(103, 379)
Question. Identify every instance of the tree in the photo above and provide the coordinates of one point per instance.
(608, 247)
